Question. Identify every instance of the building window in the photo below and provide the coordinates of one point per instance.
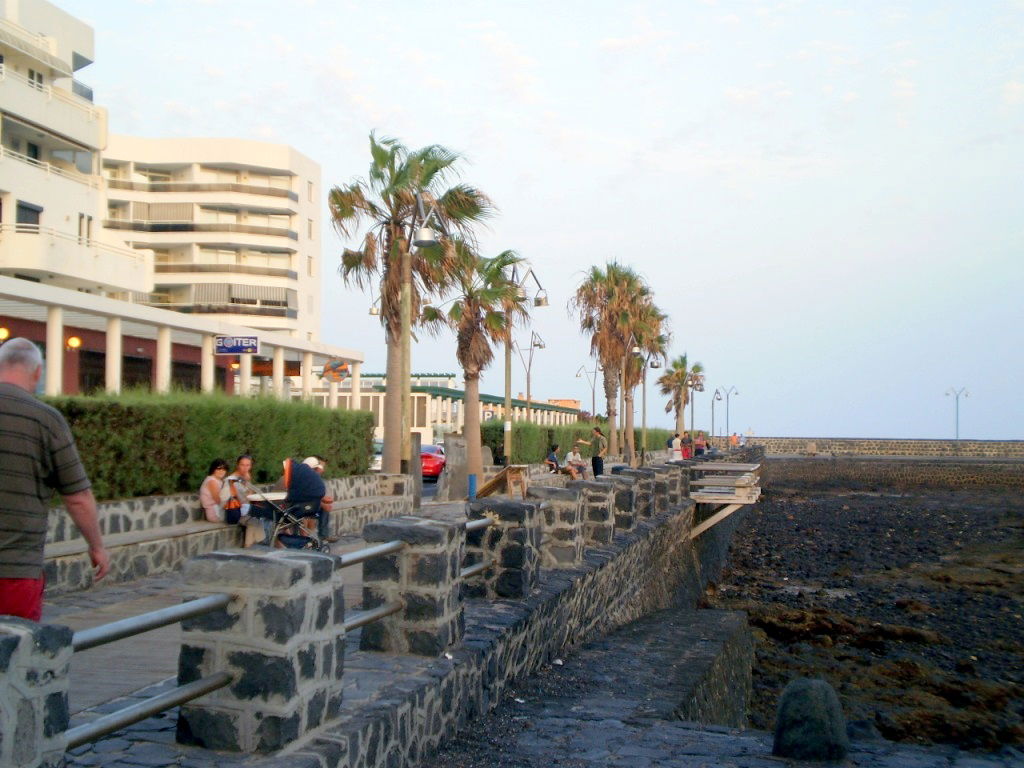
(26, 217)
(35, 79)
(309, 228)
(309, 190)
(32, 150)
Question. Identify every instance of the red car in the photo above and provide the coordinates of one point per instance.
(432, 460)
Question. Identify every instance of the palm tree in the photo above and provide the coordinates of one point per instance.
(386, 202)
(486, 306)
(604, 302)
(650, 334)
(675, 383)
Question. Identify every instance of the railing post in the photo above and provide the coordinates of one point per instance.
(34, 690)
(561, 514)
(644, 489)
(510, 546)
(623, 500)
(598, 511)
(281, 638)
(424, 576)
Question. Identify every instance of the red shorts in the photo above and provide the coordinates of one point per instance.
(22, 597)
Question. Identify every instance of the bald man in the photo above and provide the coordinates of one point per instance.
(37, 457)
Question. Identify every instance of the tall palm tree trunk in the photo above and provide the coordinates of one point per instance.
(680, 417)
(471, 430)
(627, 422)
(611, 394)
(391, 461)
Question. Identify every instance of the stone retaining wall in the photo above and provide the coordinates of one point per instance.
(855, 446)
(873, 473)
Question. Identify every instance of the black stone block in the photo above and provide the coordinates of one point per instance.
(50, 639)
(321, 565)
(598, 514)
(212, 730)
(569, 515)
(315, 709)
(8, 645)
(215, 621)
(411, 530)
(381, 568)
(424, 608)
(429, 570)
(262, 676)
(190, 660)
(323, 612)
(513, 556)
(275, 732)
(282, 621)
(307, 662)
(511, 584)
(55, 714)
(373, 637)
(425, 643)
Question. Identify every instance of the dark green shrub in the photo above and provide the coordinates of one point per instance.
(139, 444)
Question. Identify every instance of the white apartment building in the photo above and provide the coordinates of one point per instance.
(234, 227)
(51, 135)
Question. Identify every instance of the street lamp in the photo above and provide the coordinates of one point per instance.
(650, 361)
(717, 397)
(592, 378)
(695, 381)
(536, 342)
(731, 390)
(956, 396)
(540, 299)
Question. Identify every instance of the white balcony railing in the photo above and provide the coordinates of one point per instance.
(97, 245)
(50, 168)
(51, 93)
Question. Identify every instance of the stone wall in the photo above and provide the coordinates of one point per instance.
(156, 534)
(855, 446)
(873, 473)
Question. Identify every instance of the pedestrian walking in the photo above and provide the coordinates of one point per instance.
(37, 457)
(676, 443)
(598, 448)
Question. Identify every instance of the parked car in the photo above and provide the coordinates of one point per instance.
(432, 460)
(378, 456)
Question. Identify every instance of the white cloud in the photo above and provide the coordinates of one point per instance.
(1013, 93)
(644, 35)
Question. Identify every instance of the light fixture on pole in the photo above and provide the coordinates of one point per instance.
(728, 392)
(716, 398)
(649, 359)
(536, 342)
(592, 379)
(695, 381)
(955, 393)
(540, 299)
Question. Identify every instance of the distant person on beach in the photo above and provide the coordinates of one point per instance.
(37, 457)
(734, 440)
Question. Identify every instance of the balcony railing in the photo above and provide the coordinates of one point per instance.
(200, 186)
(243, 269)
(35, 229)
(78, 100)
(50, 168)
(192, 308)
(139, 225)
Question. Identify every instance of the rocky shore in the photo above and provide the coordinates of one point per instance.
(911, 605)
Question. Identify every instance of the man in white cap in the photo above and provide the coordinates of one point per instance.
(323, 528)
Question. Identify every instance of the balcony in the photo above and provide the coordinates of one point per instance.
(242, 269)
(198, 226)
(50, 169)
(65, 259)
(192, 186)
(55, 109)
(227, 309)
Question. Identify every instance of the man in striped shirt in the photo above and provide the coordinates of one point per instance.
(37, 457)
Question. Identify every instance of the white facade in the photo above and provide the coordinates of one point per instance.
(234, 226)
(51, 135)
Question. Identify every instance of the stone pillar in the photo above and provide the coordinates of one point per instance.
(596, 499)
(163, 360)
(623, 500)
(424, 577)
(207, 369)
(112, 356)
(561, 543)
(245, 374)
(307, 375)
(510, 546)
(355, 401)
(678, 483)
(277, 373)
(332, 395)
(644, 488)
(282, 638)
(54, 351)
(685, 474)
(34, 662)
(666, 486)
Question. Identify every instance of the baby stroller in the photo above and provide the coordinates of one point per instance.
(305, 489)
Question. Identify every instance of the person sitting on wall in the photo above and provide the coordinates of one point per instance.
(318, 464)
(211, 490)
(574, 461)
(552, 460)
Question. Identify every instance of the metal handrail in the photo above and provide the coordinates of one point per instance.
(68, 97)
(363, 618)
(36, 229)
(368, 553)
(478, 525)
(89, 181)
(85, 639)
(473, 570)
(115, 721)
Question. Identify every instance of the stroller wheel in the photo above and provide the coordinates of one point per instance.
(325, 547)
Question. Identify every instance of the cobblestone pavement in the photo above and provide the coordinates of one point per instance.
(602, 707)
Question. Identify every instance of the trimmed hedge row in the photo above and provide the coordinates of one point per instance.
(532, 442)
(138, 444)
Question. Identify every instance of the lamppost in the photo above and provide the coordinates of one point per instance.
(731, 390)
(536, 342)
(649, 360)
(956, 396)
(695, 381)
(717, 397)
(592, 379)
(540, 299)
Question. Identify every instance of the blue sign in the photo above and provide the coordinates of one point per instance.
(236, 345)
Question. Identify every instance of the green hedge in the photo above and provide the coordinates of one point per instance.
(531, 442)
(139, 444)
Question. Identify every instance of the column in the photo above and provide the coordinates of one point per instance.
(460, 419)
(643, 489)
(355, 402)
(332, 395)
(423, 577)
(282, 637)
(34, 689)
(54, 350)
(561, 543)
(207, 367)
(307, 375)
(112, 373)
(163, 360)
(277, 369)
(597, 499)
(510, 546)
(624, 500)
(245, 374)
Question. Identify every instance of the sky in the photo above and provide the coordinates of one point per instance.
(826, 197)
